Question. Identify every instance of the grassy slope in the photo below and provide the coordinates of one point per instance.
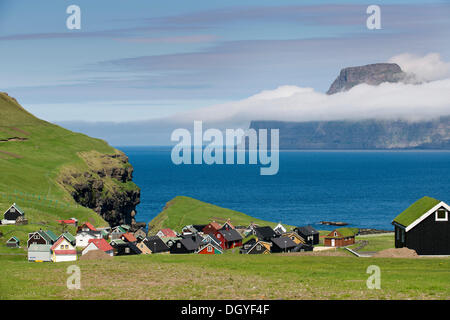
(235, 277)
(31, 167)
(182, 211)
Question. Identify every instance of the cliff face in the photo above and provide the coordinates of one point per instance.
(364, 134)
(104, 185)
(372, 74)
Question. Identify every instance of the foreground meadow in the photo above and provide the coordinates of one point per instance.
(228, 276)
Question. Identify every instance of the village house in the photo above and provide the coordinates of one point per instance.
(40, 252)
(13, 214)
(124, 248)
(309, 234)
(209, 248)
(189, 230)
(140, 234)
(282, 244)
(39, 237)
(70, 238)
(424, 227)
(294, 237)
(128, 237)
(166, 233)
(63, 250)
(255, 246)
(212, 228)
(264, 233)
(86, 232)
(53, 237)
(229, 238)
(183, 246)
(279, 229)
(13, 242)
(210, 238)
(227, 226)
(99, 244)
(153, 245)
(340, 237)
(117, 232)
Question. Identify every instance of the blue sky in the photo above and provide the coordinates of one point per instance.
(135, 60)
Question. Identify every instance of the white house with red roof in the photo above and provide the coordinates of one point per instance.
(62, 250)
(99, 244)
(166, 233)
(86, 232)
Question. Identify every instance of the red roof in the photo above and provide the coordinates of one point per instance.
(129, 237)
(90, 226)
(101, 244)
(169, 233)
(70, 221)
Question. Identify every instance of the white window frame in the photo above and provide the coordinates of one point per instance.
(441, 219)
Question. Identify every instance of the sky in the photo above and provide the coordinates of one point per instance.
(148, 63)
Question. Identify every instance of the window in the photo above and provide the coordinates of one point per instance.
(403, 236)
(258, 247)
(397, 233)
(335, 234)
(441, 215)
(209, 249)
(127, 250)
(178, 245)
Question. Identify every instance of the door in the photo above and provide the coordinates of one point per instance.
(333, 243)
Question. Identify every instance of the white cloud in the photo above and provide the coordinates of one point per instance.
(427, 68)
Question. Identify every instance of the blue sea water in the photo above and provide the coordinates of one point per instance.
(362, 188)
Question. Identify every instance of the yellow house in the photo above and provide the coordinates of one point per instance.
(294, 237)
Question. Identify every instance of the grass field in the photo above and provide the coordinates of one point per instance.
(228, 276)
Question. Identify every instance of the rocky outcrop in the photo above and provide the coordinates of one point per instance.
(372, 74)
(104, 185)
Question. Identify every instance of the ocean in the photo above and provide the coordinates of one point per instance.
(366, 189)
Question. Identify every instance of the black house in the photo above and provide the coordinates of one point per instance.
(183, 245)
(155, 244)
(265, 233)
(10, 216)
(124, 248)
(424, 227)
(282, 244)
(308, 233)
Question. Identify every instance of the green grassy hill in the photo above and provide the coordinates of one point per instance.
(182, 211)
(33, 153)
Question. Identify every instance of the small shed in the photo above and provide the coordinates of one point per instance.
(40, 252)
(13, 242)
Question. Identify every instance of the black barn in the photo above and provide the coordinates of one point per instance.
(424, 227)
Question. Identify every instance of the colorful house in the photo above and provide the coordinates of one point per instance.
(229, 238)
(340, 237)
(117, 232)
(166, 233)
(212, 228)
(99, 244)
(209, 248)
(63, 250)
(39, 237)
(85, 233)
(424, 227)
(128, 237)
(294, 237)
(227, 226)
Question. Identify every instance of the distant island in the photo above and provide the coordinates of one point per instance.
(368, 134)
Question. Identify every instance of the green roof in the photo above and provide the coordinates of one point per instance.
(53, 236)
(18, 209)
(69, 237)
(345, 232)
(13, 238)
(416, 210)
(118, 241)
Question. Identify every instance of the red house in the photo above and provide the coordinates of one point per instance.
(209, 248)
(340, 237)
(212, 227)
(229, 238)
